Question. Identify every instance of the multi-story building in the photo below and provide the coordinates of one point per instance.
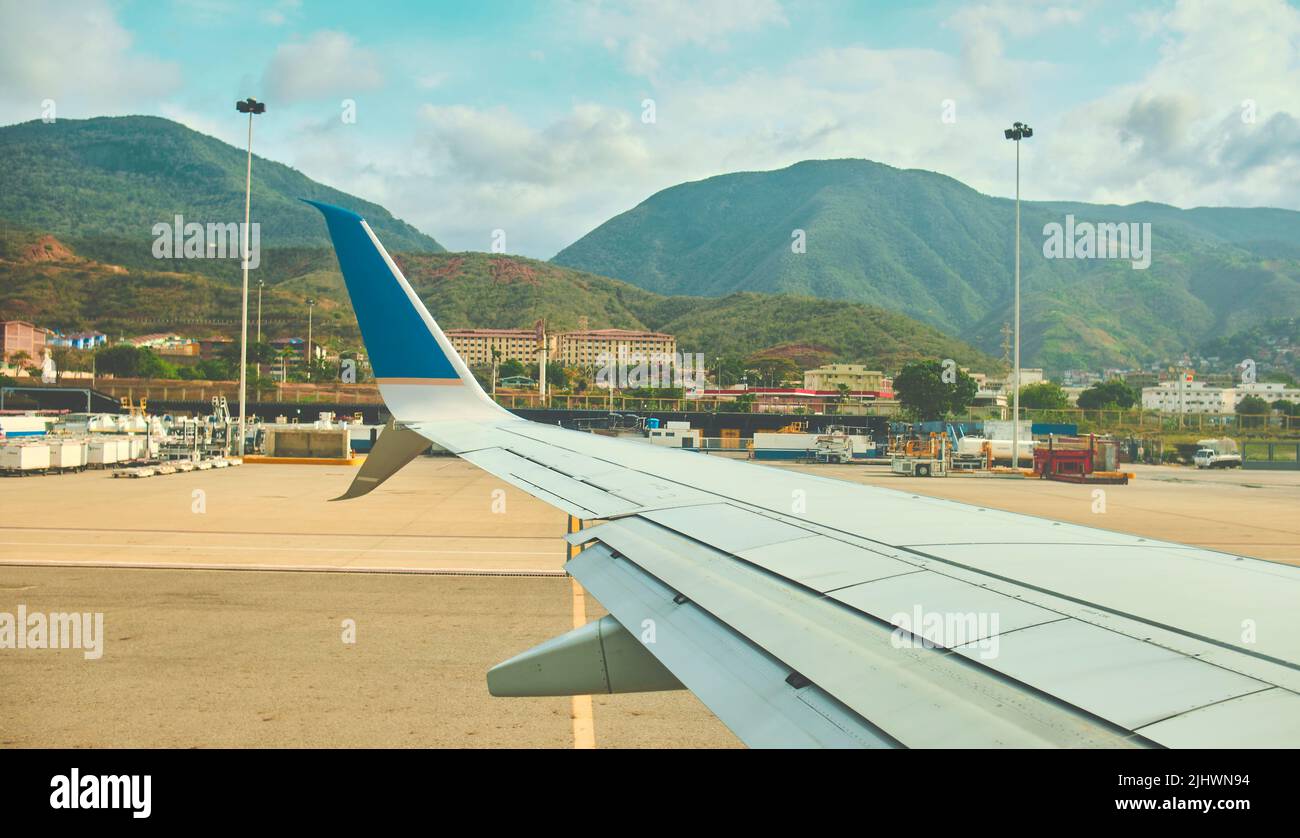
(1028, 375)
(591, 348)
(855, 376)
(1071, 379)
(1269, 391)
(21, 336)
(1186, 396)
(475, 345)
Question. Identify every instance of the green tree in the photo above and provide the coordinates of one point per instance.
(1110, 394)
(556, 376)
(1044, 395)
(122, 360)
(744, 402)
(153, 366)
(728, 370)
(1252, 412)
(773, 372)
(922, 391)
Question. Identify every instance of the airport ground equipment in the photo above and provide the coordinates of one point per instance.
(1075, 460)
(922, 457)
(67, 454)
(807, 612)
(971, 453)
(834, 448)
(25, 457)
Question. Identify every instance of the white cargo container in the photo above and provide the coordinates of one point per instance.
(67, 453)
(32, 456)
(102, 452)
(137, 447)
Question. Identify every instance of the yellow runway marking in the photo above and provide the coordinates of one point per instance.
(584, 726)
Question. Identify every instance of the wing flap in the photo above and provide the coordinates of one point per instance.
(914, 693)
(580, 499)
(749, 690)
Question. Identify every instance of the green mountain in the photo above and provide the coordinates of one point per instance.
(111, 179)
(927, 245)
(43, 281)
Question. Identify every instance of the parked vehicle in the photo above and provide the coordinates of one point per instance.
(1209, 458)
(1217, 453)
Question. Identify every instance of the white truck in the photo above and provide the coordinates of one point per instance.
(1217, 453)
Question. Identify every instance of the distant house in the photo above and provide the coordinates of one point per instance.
(21, 336)
(157, 340)
(77, 340)
(87, 340)
(211, 347)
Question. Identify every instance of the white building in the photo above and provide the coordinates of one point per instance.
(1028, 376)
(1198, 397)
(1270, 392)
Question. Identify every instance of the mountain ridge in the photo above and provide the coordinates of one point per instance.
(116, 177)
(925, 244)
(461, 289)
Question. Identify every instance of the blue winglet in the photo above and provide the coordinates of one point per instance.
(399, 333)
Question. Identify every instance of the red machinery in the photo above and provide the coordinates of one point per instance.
(1072, 464)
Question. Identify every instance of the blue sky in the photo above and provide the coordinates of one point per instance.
(528, 117)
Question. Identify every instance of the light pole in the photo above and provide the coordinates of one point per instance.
(249, 106)
(311, 303)
(260, 283)
(1017, 132)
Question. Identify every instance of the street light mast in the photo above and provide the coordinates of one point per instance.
(1017, 132)
(249, 106)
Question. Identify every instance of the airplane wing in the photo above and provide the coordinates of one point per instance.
(807, 612)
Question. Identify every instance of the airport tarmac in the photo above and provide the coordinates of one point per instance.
(1250, 513)
(445, 571)
(441, 588)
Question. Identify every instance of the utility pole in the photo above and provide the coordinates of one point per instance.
(249, 106)
(260, 283)
(311, 356)
(1017, 132)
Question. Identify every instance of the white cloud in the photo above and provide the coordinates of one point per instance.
(326, 64)
(430, 81)
(1177, 135)
(80, 57)
(646, 32)
(983, 27)
(484, 169)
(1172, 133)
(278, 14)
